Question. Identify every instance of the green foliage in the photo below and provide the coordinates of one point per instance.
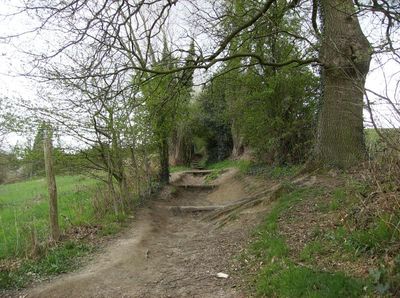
(166, 108)
(277, 119)
(26, 162)
(339, 198)
(374, 241)
(365, 232)
(7, 165)
(370, 232)
(212, 120)
(33, 158)
(273, 109)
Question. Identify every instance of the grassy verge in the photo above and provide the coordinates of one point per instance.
(25, 253)
(283, 271)
(273, 172)
(257, 169)
(174, 169)
(242, 165)
(348, 245)
(60, 259)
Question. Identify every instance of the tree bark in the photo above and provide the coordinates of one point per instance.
(110, 183)
(164, 161)
(134, 164)
(52, 186)
(181, 150)
(237, 140)
(119, 168)
(345, 56)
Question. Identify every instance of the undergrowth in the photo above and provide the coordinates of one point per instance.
(336, 237)
(212, 176)
(24, 211)
(174, 169)
(256, 169)
(280, 274)
(59, 259)
(242, 165)
(273, 172)
(25, 250)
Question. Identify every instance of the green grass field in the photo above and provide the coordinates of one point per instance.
(377, 142)
(24, 208)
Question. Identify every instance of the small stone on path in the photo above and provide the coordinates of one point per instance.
(222, 275)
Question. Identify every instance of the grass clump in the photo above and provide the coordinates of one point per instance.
(281, 275)
(273, 172)
(289, 280)
(59, 259)
(110, 229)
(312, 249)
(242, 165)
(375, 239)
(338, 198)
(174, 169)
(213, 176)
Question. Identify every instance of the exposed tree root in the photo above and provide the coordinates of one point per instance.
(230, 211)
(194, 209)
(224, 213)
(220, 210)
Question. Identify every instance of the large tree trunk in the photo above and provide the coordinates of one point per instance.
(52, 187)
(345, 56)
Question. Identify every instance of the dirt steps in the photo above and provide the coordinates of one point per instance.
(163, 255)
(199, 172)
(195, 186)
(196, 165)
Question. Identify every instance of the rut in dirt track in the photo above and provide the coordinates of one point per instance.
(166, 254)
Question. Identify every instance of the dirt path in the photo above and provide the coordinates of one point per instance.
(166, 254)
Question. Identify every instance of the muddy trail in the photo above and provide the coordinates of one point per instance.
(167, 253)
